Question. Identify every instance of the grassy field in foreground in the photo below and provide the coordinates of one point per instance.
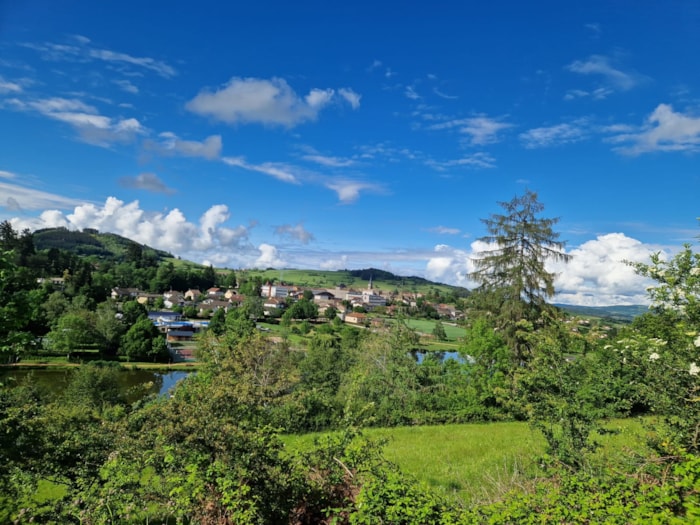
(479, 462)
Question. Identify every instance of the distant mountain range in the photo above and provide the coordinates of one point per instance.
(620, 313)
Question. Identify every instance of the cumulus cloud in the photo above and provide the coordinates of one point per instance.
(269, 257)
(146, 181)
(597, 274)
(171, 144)
(450, 265)
(298, 233)
(549, 136)
(209, 238)
(277, 170)
(339, 263)
(664, 130)
(263, 101)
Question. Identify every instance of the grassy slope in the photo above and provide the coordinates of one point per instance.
(479, 462)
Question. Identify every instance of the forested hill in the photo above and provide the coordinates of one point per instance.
(91, 242)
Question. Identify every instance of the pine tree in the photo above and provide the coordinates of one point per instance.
(513, 281)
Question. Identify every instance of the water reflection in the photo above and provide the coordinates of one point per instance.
(136, 384)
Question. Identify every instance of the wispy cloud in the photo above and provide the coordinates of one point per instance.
(20, 198)
(557, 135)
(475, 160)
(83, 51)
(613, 78)
(444, 95)
(146, 181)
(663, 130)
(444, 230)
(297, 232)
(263, 101)
(279, 171)
(9, 87)
(90, 126)
(480, 129)
(410, 92)
(330, 162)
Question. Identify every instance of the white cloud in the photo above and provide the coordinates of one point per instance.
(9, 87)
(208, 239)
(444, 230)
(298, 233)
(481, 130)
(127, 86)
(277, 170)
(411, 93)
(29, 198)
(349, 190)
(257, 100)
(171, 144)
(331, 162)
(601, 65)
(475, 160)
(269, 257)
(597, 274)
(557, 135)
(664, 130)
(444, 95)
(339, 263)
(90, 126)
(84, 52)
(146, 181)
(157, 66)
(450, 265)
(350, 97)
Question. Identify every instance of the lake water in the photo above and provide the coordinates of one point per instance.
(137, 384)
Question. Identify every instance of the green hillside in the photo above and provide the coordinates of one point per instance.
(90, 242)
(382, 280)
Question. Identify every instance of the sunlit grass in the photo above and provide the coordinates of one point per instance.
(473, 463)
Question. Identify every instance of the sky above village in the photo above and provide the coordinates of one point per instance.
(354, 135)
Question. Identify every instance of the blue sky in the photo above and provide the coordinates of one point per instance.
(312, 135)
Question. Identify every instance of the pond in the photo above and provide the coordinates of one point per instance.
(136, 384)
(442, 356)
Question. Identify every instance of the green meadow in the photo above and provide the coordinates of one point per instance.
(476, 463)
